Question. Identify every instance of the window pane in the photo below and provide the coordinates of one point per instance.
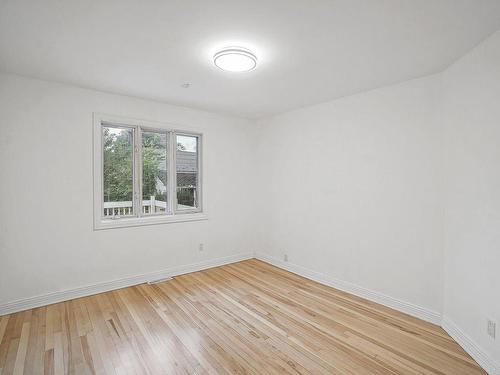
(187, 172)
(118, 160)
(154, 172)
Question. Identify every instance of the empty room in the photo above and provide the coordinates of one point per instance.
(250, 187)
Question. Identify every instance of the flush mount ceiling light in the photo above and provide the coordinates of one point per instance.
(235, 59)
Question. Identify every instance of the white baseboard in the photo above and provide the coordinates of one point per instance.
(403, 306)
(65, 295)
(476, 352)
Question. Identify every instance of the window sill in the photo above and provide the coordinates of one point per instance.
(145, 220)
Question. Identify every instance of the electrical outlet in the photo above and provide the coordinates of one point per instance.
(285, 257)
(200, 247)
(492, 328)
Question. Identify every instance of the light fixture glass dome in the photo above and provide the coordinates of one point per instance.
(235, 59)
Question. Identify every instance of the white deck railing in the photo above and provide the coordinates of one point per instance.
(124, 208)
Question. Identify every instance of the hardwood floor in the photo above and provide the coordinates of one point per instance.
(244, 318)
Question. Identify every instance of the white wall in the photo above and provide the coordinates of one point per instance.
(353, 189)
(47, 242)
(472, 164)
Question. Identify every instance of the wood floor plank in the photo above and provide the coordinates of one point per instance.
(243, 318)
(3, 326)
(21, 350)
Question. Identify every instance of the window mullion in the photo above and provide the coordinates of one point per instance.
(138, 171)
(172, 174)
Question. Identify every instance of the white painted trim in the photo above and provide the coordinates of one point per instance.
(126, 222)
(65, 295)
(403, 306)
(471, 347)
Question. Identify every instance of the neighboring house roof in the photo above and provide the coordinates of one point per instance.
(187, 166)
(187, 161)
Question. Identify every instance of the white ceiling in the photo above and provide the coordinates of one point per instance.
(309, 50)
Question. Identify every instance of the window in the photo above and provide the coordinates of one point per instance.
(187, 172)
(144, 173)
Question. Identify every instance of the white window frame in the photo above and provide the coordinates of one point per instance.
(172, 214)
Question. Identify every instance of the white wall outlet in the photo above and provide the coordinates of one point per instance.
(285, 257)
(492, 328)
(200, 247)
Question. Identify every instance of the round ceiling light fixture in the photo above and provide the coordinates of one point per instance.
(235, 59)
